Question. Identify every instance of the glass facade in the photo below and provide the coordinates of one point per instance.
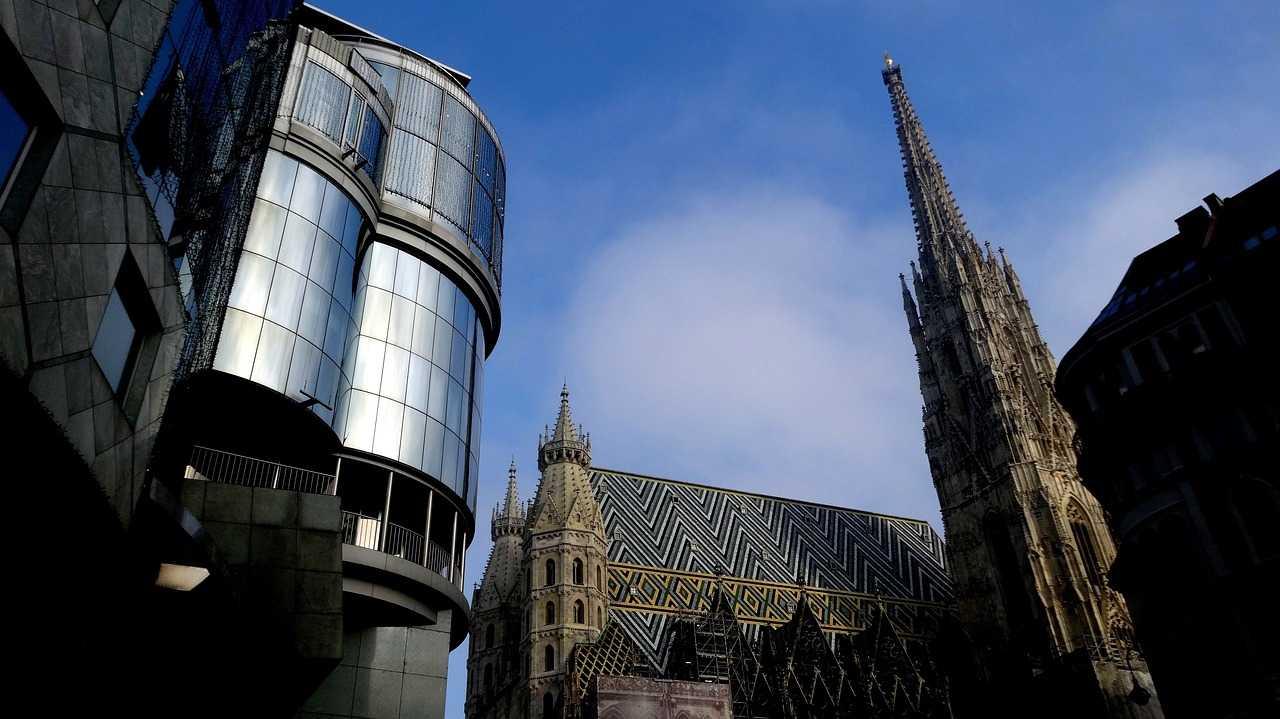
(343, 114)
(412, 370)
(442, 158)
(289, 313)
(391, 348)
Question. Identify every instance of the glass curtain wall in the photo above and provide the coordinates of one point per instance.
(288, 318)
(413, 368)
(442, 158)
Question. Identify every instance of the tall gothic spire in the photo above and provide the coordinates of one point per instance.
(998, 445)
(941, 233)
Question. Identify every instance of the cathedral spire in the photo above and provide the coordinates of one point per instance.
(941, 234)
(509, 519)
(566, 441)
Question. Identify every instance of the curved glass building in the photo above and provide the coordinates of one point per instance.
(342, 310)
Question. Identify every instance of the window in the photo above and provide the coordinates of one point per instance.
(600, 617)
(548, 702)
(551, 613)
(598, 586)
(115, 340)
(551, 572)
(127, 338)
(577, 572)
(1088, 553)
(13, 136)
(579, 612)
(488, 677)
(488, 637)
(549, 659)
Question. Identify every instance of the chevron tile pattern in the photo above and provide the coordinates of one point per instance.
(672, 542)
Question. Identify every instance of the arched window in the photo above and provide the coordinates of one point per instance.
(548, 702)
(551, 572)
(488, 677)
(579, 612)
(1088, 552)
(488, 637)
(600, 617)
(549, 659)
(1013, 590)
(551, 613)
(577, 572)
(598, 579)
(528, 578)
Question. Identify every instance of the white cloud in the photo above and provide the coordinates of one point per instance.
(755, 340)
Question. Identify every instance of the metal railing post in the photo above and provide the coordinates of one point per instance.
(426, 536)
(386, 514)
(336, 471)
(462, 560)
(453, 543)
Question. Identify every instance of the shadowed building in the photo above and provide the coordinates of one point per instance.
(1177, 404)
(1028, 547)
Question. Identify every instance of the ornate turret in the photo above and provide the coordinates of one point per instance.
(567, 442)
(508, 521)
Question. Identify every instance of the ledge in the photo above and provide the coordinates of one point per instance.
(403, 591)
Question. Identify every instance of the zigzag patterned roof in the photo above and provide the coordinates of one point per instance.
(673, 542)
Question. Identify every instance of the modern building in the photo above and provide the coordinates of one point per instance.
(1028, 547)
(613, 590)
(1177, 407)
(282, 234)
(90, 323)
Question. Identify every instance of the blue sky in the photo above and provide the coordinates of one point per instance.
(707, 214)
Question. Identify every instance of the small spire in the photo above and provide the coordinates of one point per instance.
(888, 60)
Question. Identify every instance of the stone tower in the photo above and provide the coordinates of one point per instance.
(495, 672)
(1027, 544)
(565, 563)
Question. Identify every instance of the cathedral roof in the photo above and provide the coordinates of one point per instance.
(673, 543)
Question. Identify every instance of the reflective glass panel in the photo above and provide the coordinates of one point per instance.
(13, 135)
(285, 303)
(265, 228)
(252, 283)
(238, 342)
(114, 340)
(276, 182)
(271, 363)
(458, 135)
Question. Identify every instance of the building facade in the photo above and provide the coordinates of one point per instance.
(613, 591)
(90, 325)
(250, 277)
(1177, 408)
(1028, 546)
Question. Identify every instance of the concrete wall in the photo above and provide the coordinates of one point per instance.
(387, 673)
(282, 555)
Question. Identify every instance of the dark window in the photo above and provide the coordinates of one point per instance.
(1088, 553)
(579, 613)
(115, 340)
(577, 572)
(548, 701)
(551, 613)
(598, 586)
(600, 617)
(551, 572)
(549, 660)
(488, 637)
(1013, 591)
(488, 677)
(13, 135)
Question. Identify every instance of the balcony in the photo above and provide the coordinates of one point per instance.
(367, 529)
(215, 465)
(367, 532)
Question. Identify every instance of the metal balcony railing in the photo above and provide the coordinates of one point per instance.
(364, 531)
(215, 465)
